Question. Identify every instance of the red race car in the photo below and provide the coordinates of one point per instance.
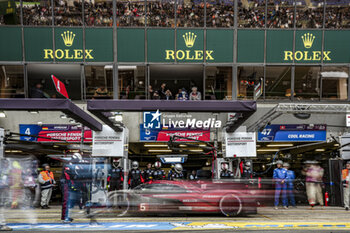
(185, 197)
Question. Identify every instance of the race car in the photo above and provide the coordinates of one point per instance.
(185, 197)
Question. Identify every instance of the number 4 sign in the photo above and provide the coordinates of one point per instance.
(60, 87)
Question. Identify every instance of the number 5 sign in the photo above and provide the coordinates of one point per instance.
(60, 87)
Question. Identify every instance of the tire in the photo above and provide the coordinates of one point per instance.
(230, 205)
(118, 203)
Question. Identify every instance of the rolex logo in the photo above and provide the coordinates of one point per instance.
(308, 40)
(68, 38)
(189, 38)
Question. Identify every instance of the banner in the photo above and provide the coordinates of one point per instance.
(240, 144)
(108, 143)
(164, 134)
(293, 133)
(47, 133)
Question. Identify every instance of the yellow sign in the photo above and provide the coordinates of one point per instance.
(189, 55)
(68, 40)
(308, 40)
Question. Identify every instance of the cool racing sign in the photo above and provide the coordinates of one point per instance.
(153, 120)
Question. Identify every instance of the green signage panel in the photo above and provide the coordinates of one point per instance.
(69, 45)
(220, 42)
(278, 45)
(100, 42)
(190, 46)
(11, 44)
(308, 47)
(337, 45)
(131, 45)
(38, 44)
(160, 45)
(250, 46)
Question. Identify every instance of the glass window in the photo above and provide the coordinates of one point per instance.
(98, 13)
(40, 84)
(337, 14)
(99, 82)
(309, 13)
(248, 78)
(130, 13)
(251, 14)
(10, 13)
(37, 12)
(218, 83)
(12, 81)
(307, 82)
(220, 13)
(131, 82)
(190, 13)
(160, 13)
(68, 13)
(278, 82)
(335, 83)
(280, 14)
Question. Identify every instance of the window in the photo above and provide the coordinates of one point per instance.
(98, 13)
(220, 13)
(130, 13)
(40, 84)
(131, 82)
(12, 81)
(335, 83)
(68, 13)
(251, 14)
(10, 13)
(278, 82)
(280, 14)
(99, 82)
(248, 78)
(337, 14)
(161, 13)
(190, 13)
(218, 83)
(309, 13)
(307, 82)
(37, 12)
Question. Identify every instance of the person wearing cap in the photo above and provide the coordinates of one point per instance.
(280, 176)
(47, 181)
(346, 186)
(314, 175)
(290, 184)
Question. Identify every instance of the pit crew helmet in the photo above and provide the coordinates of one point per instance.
(157, 164)
(178, 168)
(224, 166)
(115, 163)
(135, 165)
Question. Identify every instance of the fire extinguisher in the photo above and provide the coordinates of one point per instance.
(326, 197)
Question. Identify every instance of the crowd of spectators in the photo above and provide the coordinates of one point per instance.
(161, 13)
(251, 14)
(220, 14)
(280, 14)
(190, 14)
(337, 16)
(98, 14)
(131, 13)
(68, 14)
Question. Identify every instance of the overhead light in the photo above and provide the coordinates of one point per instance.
(127, 67)
(320, 150)
(258, 146)
(172, 160)
(159, 150)
(280, 145)
(63, 116)
(72, 121)
(336, 144)
(155, 145)
(267, 150)
(2, 114)
(108, 67)
(33, 112)
(118, 118)
(196, 150)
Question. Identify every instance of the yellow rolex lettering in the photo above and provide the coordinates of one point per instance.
(59, 54)
(209, 56)
(88, 54)
(316, 55)
(306, 56)
(48, 52)
(178, 54)
(170, 54)
(198, 54)
(288, 55)
(78, 54)
(326, 55)
(68, 56)
(188, 56)
(298, 55)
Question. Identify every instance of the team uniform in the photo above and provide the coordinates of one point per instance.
(279, 176)
(290, 187)
(116, 178)
(158, 174)
(135, 178)
(148, 175)
(226, 174)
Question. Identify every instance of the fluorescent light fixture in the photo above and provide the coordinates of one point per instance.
(196, 150)
(63, 116)
(108, 67)
(33, 112)
(267, 150)
(320, 150)
(2, 114)
(280, 145)
(127, 67)
(334, 74)
(155, 145)
(159, 150)
(118, 118)
(336, 144)
(172, 160)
